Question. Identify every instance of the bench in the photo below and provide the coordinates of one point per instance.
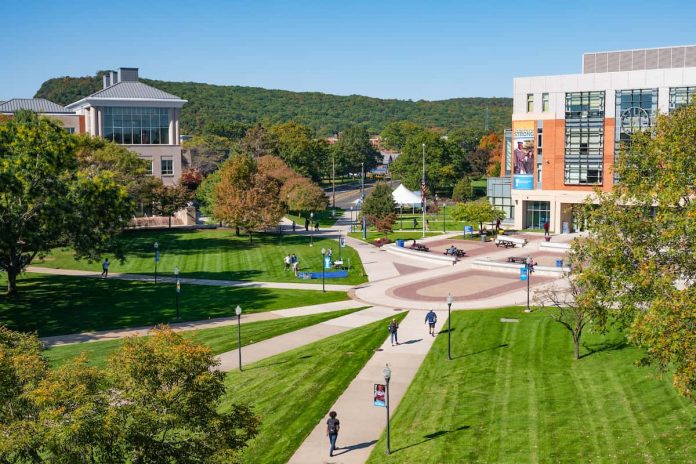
(517, 259)
(419, 247)
(509, 242)
(457, 252)
(504, 243)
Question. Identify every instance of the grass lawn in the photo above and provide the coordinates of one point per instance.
(293, 391)
(215, 254)
(55, 305)
(513, 394)
(326, 219)
(219, 339)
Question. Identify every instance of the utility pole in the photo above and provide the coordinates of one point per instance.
(333, 173)
(423, 202)
(362, 199)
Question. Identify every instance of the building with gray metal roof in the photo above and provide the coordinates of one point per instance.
(37, 105)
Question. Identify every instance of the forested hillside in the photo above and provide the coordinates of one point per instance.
(324, 113)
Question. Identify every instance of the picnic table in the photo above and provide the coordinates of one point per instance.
(506, 243)
(419, 247)
(517, 259)
(457, 252)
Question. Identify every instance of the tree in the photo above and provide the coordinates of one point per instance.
(301, 194)
(208, 152)
(167, 200)
(205, 194)
(256, 142)
(47, 201)
(476, 212)
(395, 134)
(157, 400)
(469, 139)
(246, 198)
(444, 162)
(463, 191)
(379, 207)
(353, 149)
(295, 144)
(640, 252)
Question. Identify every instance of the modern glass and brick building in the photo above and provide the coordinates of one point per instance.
(567, 130)
(142, 118)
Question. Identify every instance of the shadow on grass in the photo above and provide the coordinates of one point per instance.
(432, 436)
(348, 449)
(481, 351)
(606, 345)
(445, 332)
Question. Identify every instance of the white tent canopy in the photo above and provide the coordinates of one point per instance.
(404, 197)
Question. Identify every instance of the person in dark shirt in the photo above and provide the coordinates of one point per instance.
(333, 425)
(546, 229)
(431, 319)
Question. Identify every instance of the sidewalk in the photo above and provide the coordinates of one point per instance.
(282, 343)
(190, 281)
(362, 423)
(197, 325)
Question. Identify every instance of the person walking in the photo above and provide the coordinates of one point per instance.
(288, 262)
(306, 225)
(393, 328)
(293, 226)
(333, 425)
(431, 319)
(105, 268)
(546, 229)
(316, 226)
(415, 223)
(295, 264)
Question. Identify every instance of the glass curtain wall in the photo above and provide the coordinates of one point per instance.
(680, 96)
(584, 138)
(537, 213)
(136, 126)
(635, 111)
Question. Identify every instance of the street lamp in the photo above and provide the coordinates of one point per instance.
(529, 265)
(157, 258)
(351, 218)
(323, 254)
(450, 300)
(387, 375)
(362, 199)
(444, 216)
(311, 228)
(178, 290)
(238, 312)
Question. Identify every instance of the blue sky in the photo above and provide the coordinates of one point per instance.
(391, 49)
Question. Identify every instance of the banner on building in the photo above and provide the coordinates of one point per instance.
(508, 153)
(523, 155)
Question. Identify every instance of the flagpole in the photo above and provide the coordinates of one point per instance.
(423, 192)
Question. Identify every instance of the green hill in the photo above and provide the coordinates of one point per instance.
(323, 112)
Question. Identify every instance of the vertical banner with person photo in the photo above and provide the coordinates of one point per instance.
(523, 155)
(379, 392)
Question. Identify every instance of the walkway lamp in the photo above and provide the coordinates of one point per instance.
(323, 265)
(178, 290)
(444, 216)
(157, 258)
(529, 264)
(450, 300)
(362, 200)
(311, 228)
(387, 375)
(238, 312)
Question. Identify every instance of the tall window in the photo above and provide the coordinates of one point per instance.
(537, 213)
(635, 112)
(137, 126)
(530, 102)
(149, 165)
(545, 102)
(584, 138)
(680, 96)
(167, 166)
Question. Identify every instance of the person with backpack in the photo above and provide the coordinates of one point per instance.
(105, 268)
(393, 328)
(431, 319)
(333, 425)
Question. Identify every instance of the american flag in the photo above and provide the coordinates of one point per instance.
(423, 192)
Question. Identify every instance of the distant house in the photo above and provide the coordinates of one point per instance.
(68, 118)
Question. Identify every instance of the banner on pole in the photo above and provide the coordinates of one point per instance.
(523, 273)
(379, 398)
(157, 256)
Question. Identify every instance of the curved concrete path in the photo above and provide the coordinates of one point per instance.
(362, 423)
(190, 281)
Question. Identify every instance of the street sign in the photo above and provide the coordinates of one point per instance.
(468, 230)
(523, 273)
(378, 397)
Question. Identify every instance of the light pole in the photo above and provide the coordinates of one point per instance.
(423, 206)
(333, 174)
(157, 258)
(351, 218)
(238, 312)
(529, 264)
(311, 228)
(387, 376)
(449, 325)
(444, 216)
(362, 199)
(178, 290)
(323, 257)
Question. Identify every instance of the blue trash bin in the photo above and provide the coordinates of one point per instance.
(400, 243)
(559, 263)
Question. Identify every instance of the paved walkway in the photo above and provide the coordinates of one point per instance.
(282, 343)
(190, 281)
(362, 423)
(197, 325)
